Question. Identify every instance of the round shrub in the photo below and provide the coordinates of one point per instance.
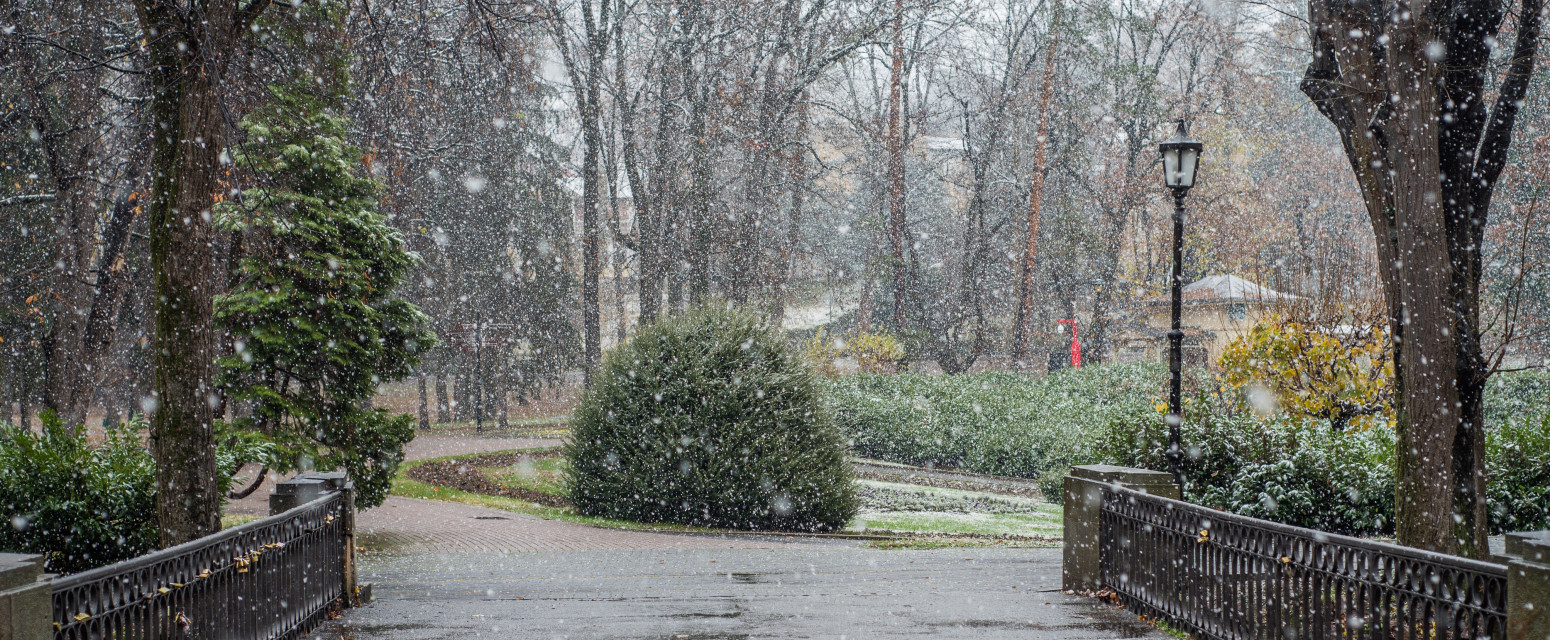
(708, 419)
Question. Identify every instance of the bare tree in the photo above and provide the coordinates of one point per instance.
(1406, 84)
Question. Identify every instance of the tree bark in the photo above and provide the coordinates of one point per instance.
(443, 408)
(75, 157)
(796, 176)
(1426, 156)
(699, 157)
(425, 409)
(1024, 328)
(895, 152)
(188, 64)
(585, 77)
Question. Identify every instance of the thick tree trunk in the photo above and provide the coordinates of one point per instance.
(189, 123)
(1426, 162)
(1428, 407)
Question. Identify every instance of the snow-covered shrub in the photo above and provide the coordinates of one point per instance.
(709, 419)
(1341, 482)
(80, 505)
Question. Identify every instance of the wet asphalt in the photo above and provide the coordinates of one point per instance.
(794, 589)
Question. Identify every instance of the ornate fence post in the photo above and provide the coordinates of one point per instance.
(1083, 500)
(338, 481)
(26, 605)
(1528, 585)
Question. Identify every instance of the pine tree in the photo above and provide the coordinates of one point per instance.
(313, 314)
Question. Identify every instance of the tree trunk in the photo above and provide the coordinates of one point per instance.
(1024, 328)
(425, 409)
(503, 390)
(1427, 163)
(75, 157)
(443, 408)
(460, 381)
(896, 170)
(796, 175)
(699, 158)
(189, 122)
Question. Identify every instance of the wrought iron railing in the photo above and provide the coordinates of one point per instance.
(1224, 576)
(271, 578)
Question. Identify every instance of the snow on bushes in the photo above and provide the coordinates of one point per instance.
(709, 419)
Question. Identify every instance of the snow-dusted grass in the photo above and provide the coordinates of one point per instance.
(892, 496)
(544, 474)
(1045, 525)
(885, 506)
(908, 508)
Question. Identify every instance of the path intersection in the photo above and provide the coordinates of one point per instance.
(448, 570)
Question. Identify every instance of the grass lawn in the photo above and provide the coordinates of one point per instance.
(987, 524)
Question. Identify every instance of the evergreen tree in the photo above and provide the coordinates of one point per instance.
(312, 311)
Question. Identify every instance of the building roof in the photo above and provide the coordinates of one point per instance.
(1214, 289)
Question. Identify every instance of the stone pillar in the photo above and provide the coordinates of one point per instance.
(1083, 499)
(1528, 585)
(26, 605)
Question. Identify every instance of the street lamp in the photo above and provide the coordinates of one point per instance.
(1180, 158)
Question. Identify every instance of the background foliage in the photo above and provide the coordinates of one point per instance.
(998, 423)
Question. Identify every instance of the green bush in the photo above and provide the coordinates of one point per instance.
(708, 419)
(1517, 397)
(998, 423)
(78, 504)
(1517, 466)
(1517, 463)
(1289, 470)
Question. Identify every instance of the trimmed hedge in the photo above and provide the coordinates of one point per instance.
(998, 423)
(1292, 471)
(709, 419)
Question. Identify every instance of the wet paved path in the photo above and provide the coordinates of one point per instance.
(408, 525)
(802, 589)
(446, 570)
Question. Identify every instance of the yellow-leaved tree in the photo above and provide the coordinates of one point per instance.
(1334, 366)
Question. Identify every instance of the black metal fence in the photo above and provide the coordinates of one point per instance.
(271, 578)
(1221, 575)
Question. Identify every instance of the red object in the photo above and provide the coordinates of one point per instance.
(1076, 346)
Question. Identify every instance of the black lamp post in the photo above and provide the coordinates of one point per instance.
(1180, 158)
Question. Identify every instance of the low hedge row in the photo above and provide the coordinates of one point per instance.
(998, 423)
(1292, 471)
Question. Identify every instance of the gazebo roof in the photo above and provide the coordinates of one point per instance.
(1217, 289)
